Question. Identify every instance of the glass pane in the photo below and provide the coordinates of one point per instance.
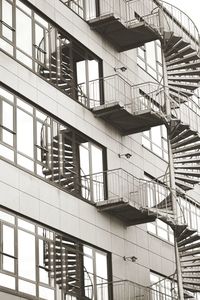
(8, 240)
(7, 137)
(27, 287)
(25, 106)
(46, 293)
(7, 281)
(7, 117)
(26, 225)
(7, 18)
(8, 264)
(41, 21)
(101, 265)
(25, 162)
(24, 133)
(6, 94)
(6, 47)
(97, 159)
(6, 153)
(40, 42)
(23, 7)
(24, 59)
(23, 32)
(7, 217)
(26, 255)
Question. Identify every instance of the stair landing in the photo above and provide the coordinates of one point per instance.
(121, 36)
(128, 212)
(128, 123)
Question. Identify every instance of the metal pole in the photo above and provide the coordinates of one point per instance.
(172, 176)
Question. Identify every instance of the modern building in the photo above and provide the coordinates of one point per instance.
(100, 151)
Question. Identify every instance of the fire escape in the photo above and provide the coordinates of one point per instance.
(136, 108)
(127, 25)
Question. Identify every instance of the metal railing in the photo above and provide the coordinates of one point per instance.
(179, 23)
(159, 15)
(189, 212)
(134, 98)
(127, 290)
(115, 185)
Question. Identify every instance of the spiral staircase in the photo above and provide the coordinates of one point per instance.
(63, 259)
(181, 49)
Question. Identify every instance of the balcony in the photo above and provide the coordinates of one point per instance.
(130, 109)
(132, 200)
(126, 24)
(127, 290)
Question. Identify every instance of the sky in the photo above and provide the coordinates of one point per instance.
(190, 7)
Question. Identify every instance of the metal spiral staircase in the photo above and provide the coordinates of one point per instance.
(63, 259)
(181, 55)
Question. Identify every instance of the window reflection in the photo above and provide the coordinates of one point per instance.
(47, 264)
(51, 53)
(53, 151)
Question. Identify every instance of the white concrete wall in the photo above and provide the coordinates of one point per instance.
(32, 197)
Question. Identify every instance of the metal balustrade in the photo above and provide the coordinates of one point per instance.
(127, 290)
(135, 98)
(159, 15)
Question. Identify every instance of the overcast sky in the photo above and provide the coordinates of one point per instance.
(190, 7)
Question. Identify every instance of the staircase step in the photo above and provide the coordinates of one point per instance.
(187, 173)
(174, 43)
(191, 276)
(179, 53)
(180, 133)
(186, 141)
(195, 146)
(183, 85)
(190, 270)
(184, 185)
(190, 253)
(184, 78)
(195, 72)
(193, 283)
(191, 288)
(187, 161)
(186, 179)
(188, 238)
(177, 97)
(189, 154)
(187, 167)
(180, 91)
(190, 66)
(192, 259)
(186, 59)
(188, 265)
(189, 247)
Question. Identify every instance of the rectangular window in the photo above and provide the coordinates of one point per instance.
(53, 151)
(156, 140)
(50, 52)
(32, 261)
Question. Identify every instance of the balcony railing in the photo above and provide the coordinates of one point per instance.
(127, 290)
(118, 184)
(134, 98)
(159, 15)
(189, 113)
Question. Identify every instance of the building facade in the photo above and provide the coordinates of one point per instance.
(99, 148)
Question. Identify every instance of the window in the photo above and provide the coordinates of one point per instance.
(96, 274)
(85, 9)
(155, 140)
(149, 57)
(32, 139)
(189, 212)
(162, 287)
(50, 52)
(158, 227)
(30, 262)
